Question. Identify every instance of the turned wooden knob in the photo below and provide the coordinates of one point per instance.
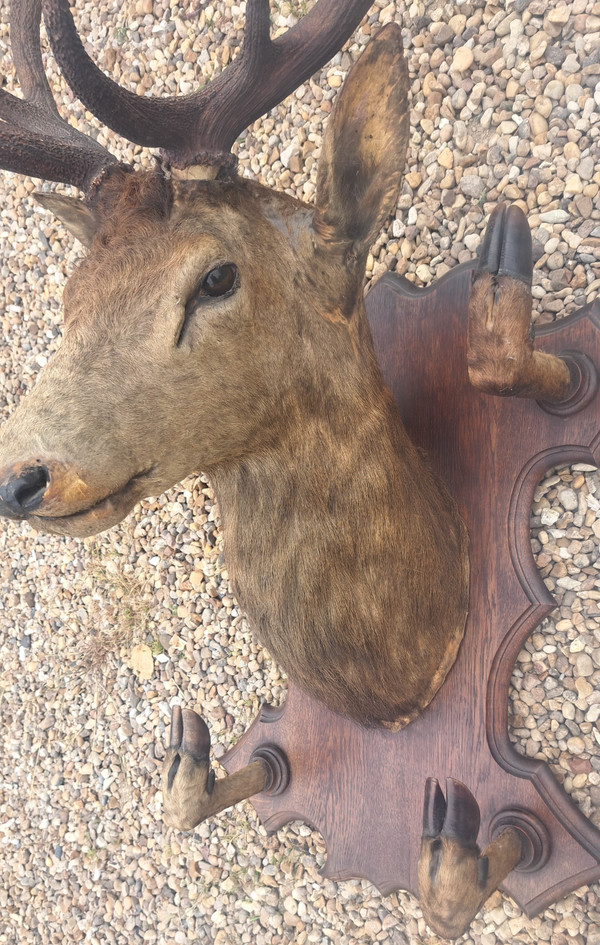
(535, 839)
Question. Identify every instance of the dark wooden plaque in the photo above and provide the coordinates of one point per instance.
(362, 788)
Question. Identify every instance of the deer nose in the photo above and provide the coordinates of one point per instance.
(23, 491)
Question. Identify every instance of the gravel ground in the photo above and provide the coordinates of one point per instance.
(99, 636)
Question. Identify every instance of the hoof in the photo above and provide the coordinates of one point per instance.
(456, 815)
(506, 249)
(452, 874)
(501, 356)
(187, 779)
(189, 735)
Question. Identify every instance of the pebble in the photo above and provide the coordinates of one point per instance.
(554, 216)
(583, 688)
(538, 126)
(463, 59)
(575, 745)
(457, 23)
(586, 168)
(568, 498)
(472, 185)
(555, 90)
(446, 158)
(537, 46)
(584, 665)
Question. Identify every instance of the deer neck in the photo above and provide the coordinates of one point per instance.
(342, 547)
(341, 458)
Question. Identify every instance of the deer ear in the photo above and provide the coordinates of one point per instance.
(76, 216)
(365, 146)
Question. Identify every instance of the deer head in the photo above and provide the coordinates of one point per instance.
(197, 297)
(203, 294)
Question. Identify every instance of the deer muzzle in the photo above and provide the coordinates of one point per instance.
(22, 490)
(49, 489)
(57, 498)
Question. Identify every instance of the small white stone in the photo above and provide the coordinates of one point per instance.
(554, 216)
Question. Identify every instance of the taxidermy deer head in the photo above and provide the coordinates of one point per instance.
(206, 294)
(217, 296)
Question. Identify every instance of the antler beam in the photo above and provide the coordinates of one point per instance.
(201, 128)
(34, 139)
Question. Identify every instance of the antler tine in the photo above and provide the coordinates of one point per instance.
(34, 139)
(201, 128)
(27, 55)
(257, 32)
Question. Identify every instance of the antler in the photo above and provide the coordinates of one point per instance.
(34, 139)
(201, 128)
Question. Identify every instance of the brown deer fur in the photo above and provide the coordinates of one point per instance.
(344, 548)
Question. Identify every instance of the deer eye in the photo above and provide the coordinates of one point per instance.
(220, 281)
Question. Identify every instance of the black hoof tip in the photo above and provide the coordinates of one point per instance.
(456, 816)
(434, 808)
(462, 813)
(189, 733)
(507, 249)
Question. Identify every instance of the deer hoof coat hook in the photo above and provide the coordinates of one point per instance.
(191, 792)
(455, 878)
(391, 590)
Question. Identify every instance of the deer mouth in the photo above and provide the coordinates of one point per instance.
(98, 516)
